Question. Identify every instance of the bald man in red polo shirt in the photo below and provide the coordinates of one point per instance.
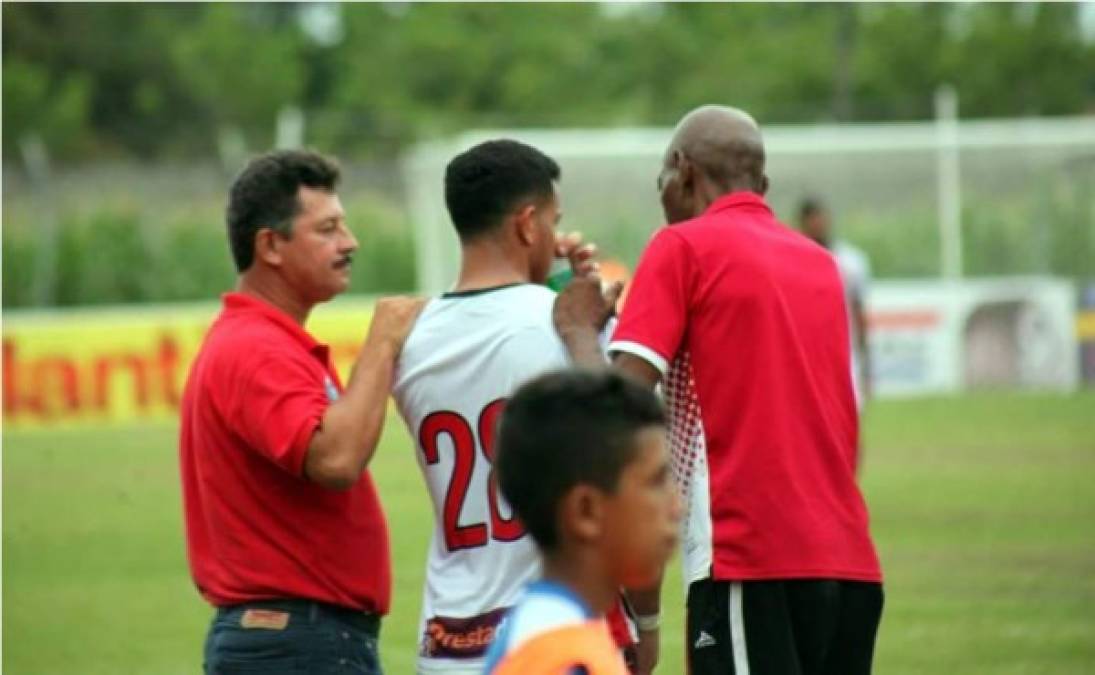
(743, 322)
(285, 534)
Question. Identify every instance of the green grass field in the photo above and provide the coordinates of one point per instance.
(983, 510)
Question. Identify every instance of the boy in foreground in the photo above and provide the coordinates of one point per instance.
(582, 461)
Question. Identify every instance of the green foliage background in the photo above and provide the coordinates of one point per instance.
(160, 80)
(156, 86)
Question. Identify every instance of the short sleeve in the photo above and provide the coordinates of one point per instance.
(277, 407)
(653, 320)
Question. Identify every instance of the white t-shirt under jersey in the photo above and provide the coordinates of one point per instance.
(468, 353)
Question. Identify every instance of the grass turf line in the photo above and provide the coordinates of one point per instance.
(982, 509)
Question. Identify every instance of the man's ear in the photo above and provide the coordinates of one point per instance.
(526, 226)
(691, 183)
(686, 171)
(268, 246)
(763, 184)
(581, 513)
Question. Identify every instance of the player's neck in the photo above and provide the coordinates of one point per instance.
(266, 288)
(585, 577)
(486, 265)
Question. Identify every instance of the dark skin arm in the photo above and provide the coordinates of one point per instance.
(580, 313)
(859, 316)
(646, 601)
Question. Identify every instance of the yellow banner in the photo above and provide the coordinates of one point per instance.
(121, 365)
(1085, 325)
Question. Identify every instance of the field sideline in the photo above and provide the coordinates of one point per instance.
(983, 509)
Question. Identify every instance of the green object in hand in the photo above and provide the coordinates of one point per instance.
(558, 280)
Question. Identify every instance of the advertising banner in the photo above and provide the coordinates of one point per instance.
(945, 337)
(120, 365)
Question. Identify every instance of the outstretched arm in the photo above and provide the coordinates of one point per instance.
(346, 438)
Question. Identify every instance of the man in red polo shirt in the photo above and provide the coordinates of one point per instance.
(285, 534)
(742, 321)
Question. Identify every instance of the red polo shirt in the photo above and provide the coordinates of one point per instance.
(256, 528)
(745, 319)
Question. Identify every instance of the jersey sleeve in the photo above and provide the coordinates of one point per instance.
(277, 407)
(653, 320)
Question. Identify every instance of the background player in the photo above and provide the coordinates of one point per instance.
(468, 352)
(855, 272)
(582, 459)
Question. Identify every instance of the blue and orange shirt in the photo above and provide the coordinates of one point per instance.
(551, 631)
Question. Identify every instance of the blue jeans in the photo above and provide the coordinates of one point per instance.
(292, 637)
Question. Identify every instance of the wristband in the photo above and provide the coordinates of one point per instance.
(648, 622)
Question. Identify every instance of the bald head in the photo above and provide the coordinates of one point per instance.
(725, 145)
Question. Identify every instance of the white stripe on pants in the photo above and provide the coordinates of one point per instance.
(737, 630)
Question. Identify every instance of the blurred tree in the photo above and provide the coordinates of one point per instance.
(135, 104)
(421, 70)
(846, 33)
(242, 63)
(162, 79)
(898, 62)
(1021, 59)
(37, 104)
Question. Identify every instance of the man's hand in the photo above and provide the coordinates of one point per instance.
(582, 256)
(647, 650)
(583, 306)
(393, 318)
(581, 310)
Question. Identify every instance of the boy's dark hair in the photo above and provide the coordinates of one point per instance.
(564, 429)
(264, 194)
(485, 183)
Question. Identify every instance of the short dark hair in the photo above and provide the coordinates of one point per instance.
(265, 194)
(809, 206)
(564, 429)
(484, 183)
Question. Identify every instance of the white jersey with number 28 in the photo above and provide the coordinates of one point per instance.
(467, 354)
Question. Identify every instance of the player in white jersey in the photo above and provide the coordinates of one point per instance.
(855, 273)
(469, 351)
